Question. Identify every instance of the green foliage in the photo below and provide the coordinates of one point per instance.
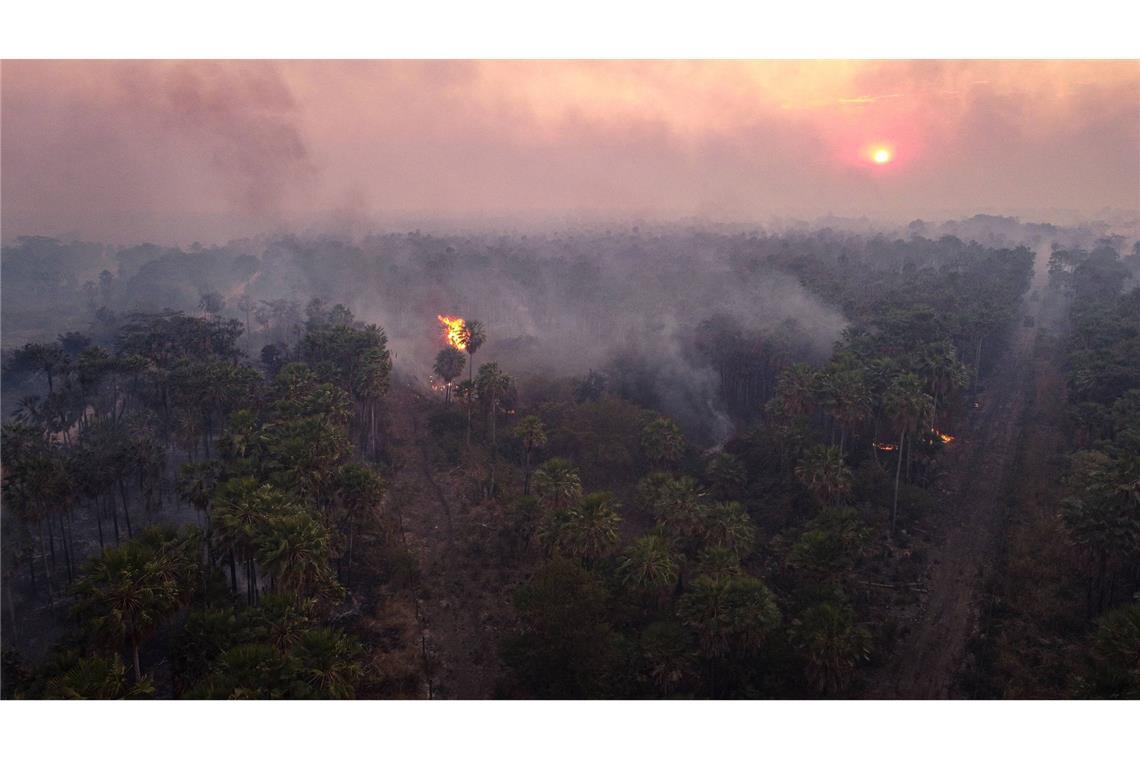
(649, 564)
(830, 543)
(128, 591)
(730, 615)
(666, 657)
(831, 645)
(556, 484)
(825, 475)
(726, 475)
(1115, 671)
(567, 648)
(587, 530)
(662, 442)
(725, 525)
(97, 678)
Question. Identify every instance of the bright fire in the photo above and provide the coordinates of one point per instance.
(453, 330)
(944, 437)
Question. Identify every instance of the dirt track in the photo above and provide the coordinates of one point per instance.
(463, 602)
(929, 659)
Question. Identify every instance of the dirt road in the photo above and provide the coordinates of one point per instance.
(464, 598)
(929, 659)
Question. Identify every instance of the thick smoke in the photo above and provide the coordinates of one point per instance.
(640, 305)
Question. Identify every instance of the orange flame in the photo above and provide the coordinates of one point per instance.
(453, 331)
(944, 437)
(885, 446)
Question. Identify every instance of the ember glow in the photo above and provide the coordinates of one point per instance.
(944, 437)
(885, 446)
(453, 331)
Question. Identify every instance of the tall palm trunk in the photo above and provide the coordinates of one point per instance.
(372, 427)
(526, 471)
(898, 471)
(135, 655)
(469, 423)
(126, 512)
(348, 557)
(48, 575)
(494, 446)
(66, 547)
(978, 362)
(114, 516)
(51, 542)
(99, 521)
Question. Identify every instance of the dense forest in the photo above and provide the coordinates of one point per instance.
(660, 463)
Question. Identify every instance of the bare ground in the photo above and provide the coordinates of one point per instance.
(463, 599)
(929, 659)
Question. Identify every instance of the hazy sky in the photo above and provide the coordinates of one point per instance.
(182, 151)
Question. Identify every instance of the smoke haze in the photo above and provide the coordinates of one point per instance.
(176, 152)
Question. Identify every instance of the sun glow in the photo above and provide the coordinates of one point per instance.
(881, 155)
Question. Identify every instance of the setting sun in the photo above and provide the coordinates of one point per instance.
(881, 156)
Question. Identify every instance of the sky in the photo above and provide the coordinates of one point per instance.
(183, 151)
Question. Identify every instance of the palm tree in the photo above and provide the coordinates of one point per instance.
(678, 505)
(491, 386)
(662, 442)
(831, 645)
(448, 365)
(328, 663)
(359, 489)
(666, 651)
(731, 615)
(293, 547)
(465, 392)
(247, 306)
(249, 671)
(796, 389)
(241, 508)
(943, 372)
(369, 382)
(48, 358)
(825, 475)
(589, 529)
(906, 404)
(649, 564)
(212, 303)
(718, 561)
(726, 474)
(473, 335)
(557, 483)
(283, 619)
(532, 434)
(848, 400)
(97, 678)
(725, 525)
(124, 596)
(196, 483)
